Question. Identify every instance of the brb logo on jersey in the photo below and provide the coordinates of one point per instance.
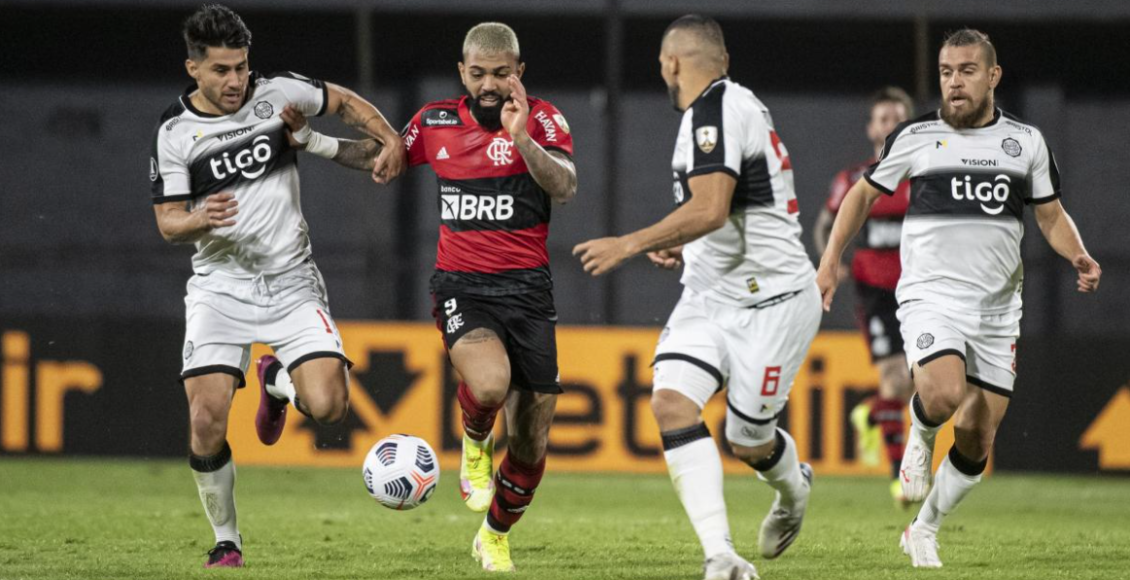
(251, 161)
(500, 151)
(986, 192)
(455, 205)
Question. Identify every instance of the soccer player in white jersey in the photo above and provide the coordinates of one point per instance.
(750, 307)
(224, 178)
(972, 168)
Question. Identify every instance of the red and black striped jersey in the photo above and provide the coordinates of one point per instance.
(876, 260)
(494, 218)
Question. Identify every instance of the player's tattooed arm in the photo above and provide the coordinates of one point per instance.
(392, 158)
(553, 170)
(360, 154)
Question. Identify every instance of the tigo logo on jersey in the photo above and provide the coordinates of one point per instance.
(985, 192)
(259, 152)
(706, 138)
(500, 151)
(473, 207)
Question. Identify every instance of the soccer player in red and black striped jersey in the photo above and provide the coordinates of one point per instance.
(875, 266)
(502, 158)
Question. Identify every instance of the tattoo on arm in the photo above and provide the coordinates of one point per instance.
(357, 154)
(352, 115)
(552, 170)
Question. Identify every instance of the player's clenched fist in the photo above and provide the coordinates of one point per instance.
(219, 209)
(1089, 272)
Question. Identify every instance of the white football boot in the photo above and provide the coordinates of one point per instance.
(780, 528)
(729, 566)
(917, 460)
(921, 546)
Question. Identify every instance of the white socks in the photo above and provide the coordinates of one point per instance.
(283, 387)
(215, 480)
(785, 476)
(696, 471)
(950, 487)
(926, 432)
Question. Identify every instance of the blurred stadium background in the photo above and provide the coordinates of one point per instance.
(91, 297)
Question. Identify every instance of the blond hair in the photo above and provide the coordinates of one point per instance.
(491, 37)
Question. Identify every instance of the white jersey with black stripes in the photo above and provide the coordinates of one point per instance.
(757, 255)
(196, 154)
(961, 237)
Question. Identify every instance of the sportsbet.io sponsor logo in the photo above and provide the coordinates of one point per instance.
(987, 192)
(257, 154)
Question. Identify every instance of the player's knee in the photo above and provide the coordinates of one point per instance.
(941, 400)
(208, 422)
(490, 385)
(672, 410)
(327, 408)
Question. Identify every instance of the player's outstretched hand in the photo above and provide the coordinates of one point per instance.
(1089, 272)
(516, 110)
(297, 129)
(601, 255)
(669, 259)
(219, 209)
(827, 279)
(390, 162)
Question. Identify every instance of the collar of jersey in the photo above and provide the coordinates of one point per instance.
(186, 98)
(707, 89)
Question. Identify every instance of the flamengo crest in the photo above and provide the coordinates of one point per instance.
(501, 151)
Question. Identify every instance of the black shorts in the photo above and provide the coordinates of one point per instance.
(876, 310)
(526, 324)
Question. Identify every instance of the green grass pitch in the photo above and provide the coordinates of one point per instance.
(110, 519)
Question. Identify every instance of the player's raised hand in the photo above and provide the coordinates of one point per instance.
(1089, 272)
(516, 110)
(297, 129)
(390, 162)
(602, 255)
(669, 259)
(219, 209)
(827, 279)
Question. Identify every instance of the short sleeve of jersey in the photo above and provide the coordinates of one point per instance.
(413, 137)
(548, 128)
(1045, 174)
(168, 170)
(723, 133)
(894, 162)
(311, 96)
(840, 186)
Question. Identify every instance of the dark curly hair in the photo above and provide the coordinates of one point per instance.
(217, 26)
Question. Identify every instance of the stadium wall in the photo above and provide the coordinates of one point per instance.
(109, 388)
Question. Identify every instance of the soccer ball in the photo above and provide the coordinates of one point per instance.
(401, 471)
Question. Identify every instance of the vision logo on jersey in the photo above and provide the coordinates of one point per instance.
(250, 162)
(500, 151)
(986, 192)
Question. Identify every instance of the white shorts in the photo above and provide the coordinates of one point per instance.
(288, 312)
(986, 342)
(756, 352)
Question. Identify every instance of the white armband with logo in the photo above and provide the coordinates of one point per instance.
(317, 143)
